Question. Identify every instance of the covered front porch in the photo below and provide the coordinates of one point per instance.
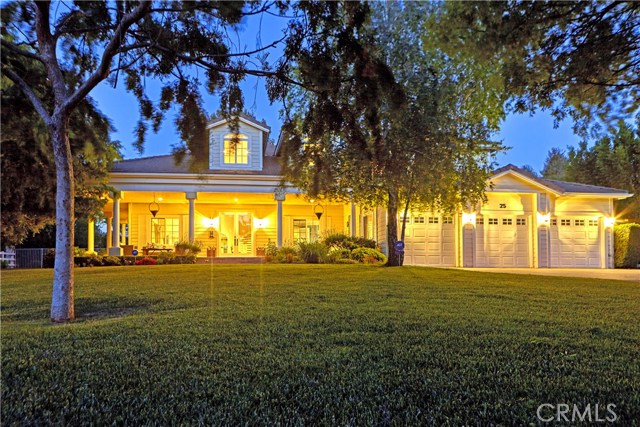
(224, 224)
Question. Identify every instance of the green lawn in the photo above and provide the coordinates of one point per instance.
(309, 345)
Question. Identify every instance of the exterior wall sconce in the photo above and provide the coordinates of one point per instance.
(609, 222)
(544, 219)
(469, 218)
(260, 223)
(154, 208)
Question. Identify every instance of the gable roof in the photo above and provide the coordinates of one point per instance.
(167, 164)
(250, 120)
(560, 187)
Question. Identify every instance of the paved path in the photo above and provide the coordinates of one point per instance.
(592, 273)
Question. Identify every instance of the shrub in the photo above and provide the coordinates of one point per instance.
(111, 261)
(184, 259)
(146, 261)
(49, 258)
(165, 258)
(271, 249)
(4, 264)
(339, 240)
(627, 245)
(185, 247)
(335, 254)
(312, 253)
(359, 254)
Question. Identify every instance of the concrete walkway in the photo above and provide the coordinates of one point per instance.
(591, 273)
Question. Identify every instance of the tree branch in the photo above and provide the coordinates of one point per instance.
(107, 56)
(29, 93)
(47, 47)
(15, 49)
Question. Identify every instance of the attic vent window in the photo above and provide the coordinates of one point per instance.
(236, 149)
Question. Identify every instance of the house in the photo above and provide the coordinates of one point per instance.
(238, 207)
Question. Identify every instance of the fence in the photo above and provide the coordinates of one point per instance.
(30, 258)
(8, 256)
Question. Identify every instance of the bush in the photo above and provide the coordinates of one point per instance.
(185, 247)
(359, 254)
(627, 245)
(4, 264)
(165, 258)
(339, 240)
(49, 258)
(271, 249)
(184, 259)
(312, 253)
(146, 261)
(111, 261)
(335, 254)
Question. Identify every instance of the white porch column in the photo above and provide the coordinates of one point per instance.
(353, 220)
(115, 249)
(109, 231)
(90, 236)
(123, 234)
(191, 197)
(280, 197)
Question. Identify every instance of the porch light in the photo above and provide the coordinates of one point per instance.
(154, 208)
(260, 223)
(544, 219)
(469, 218)
(609, 221)
(318, 210)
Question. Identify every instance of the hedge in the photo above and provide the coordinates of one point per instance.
(627, 245)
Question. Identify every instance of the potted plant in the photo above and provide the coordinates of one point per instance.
(211, 251)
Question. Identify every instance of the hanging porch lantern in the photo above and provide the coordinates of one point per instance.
(318, 210)
(154, 208)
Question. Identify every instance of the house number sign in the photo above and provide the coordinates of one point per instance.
(503, 206)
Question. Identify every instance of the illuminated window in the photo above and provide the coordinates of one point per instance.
(305, 231)
(593, 223)
(521, 221)
(554, 221)
(165, 231)
(565, 222)
(433, 220)
(480, 220)
(493, 221)
(418, 220)
(236, 149)
(447, 220)
(579, 223)
(507, 221)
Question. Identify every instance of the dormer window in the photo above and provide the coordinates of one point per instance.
(236, 149)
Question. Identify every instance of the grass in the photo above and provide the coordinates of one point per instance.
(316, 345)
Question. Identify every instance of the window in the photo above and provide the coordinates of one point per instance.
(507, 221)
(165, 231)
(305, 231)
(447, 220)
(236, 149)
(554, 221)
(418, 220)
(405, 219)
(579, 223)
(521, 221)
(433, 220)
(593, 223)
(480, 220)
(493, 221)
(565, 222)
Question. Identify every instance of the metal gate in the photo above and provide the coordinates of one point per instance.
(30, 258)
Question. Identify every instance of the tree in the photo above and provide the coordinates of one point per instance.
(394, 129)
(529, 169)
(86, 43)
(612, 161)
(555, 165)
(27, 207)
(574, 58)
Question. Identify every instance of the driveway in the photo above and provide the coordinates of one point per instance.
(591, 273)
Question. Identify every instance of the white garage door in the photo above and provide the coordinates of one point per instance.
(502, 241)
(575, 242)
(430, 240)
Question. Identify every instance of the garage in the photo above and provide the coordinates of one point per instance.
(430, 240)
(575, 242)
(502, 241)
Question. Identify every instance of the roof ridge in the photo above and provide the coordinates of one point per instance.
(582, 184)
(146, 158)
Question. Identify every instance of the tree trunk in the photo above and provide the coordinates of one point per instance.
(62, 299)
(404, 227)
(392, 229)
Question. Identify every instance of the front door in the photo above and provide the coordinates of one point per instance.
(236, 237)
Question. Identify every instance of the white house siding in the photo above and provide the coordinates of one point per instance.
(216, 144)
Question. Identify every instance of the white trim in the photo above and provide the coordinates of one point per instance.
(526, 179)
(243, 120)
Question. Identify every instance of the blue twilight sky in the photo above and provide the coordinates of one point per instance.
(530, 137)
